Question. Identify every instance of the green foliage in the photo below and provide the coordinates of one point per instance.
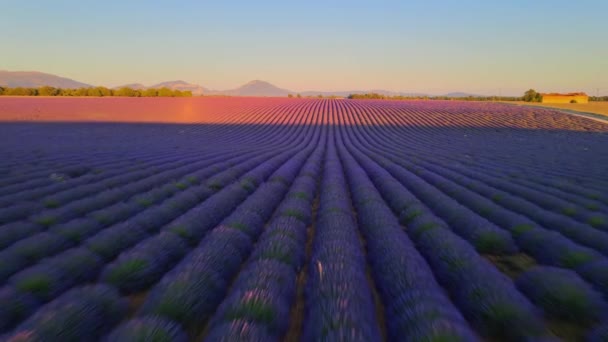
(93, 92)
(150, 92)
(181, 185)
(126, 271)
(299, 96)
(164, 92)
(595, 221)
(598, 98)
(20, 91)
(290, 95)
(46, 220)
(36, 284)
(376, 96)
(369, 96)
(532, 96)
(253, 308)
(575, 259)
(48, 91)
(127, 92)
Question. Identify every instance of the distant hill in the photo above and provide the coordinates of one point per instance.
(136, 86)
(34, 79)
(460, 94)
(183, 86)
(346, 93)
(173, 85)
(255, 88)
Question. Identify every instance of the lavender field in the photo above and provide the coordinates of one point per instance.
(275, 219)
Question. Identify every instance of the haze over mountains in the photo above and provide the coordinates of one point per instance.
(35, 79)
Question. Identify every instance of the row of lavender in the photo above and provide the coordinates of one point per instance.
(566, 231)
(399, 247)
(88, 240)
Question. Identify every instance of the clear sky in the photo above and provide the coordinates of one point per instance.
(420, 46)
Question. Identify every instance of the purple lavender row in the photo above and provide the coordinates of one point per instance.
(539, 199)
(568, 227)
(572, 229)
(108, 188)
(57, 276)
(81, 314)
(339, 300)
(46, 180)
(541, 185)
(416, 307)
(13, 232)
(188, 226)
(563, 294)
(148, 328)
(155, 162)
(60, 276)
(190, 292)
(564, 253)
(63, 165)
(532, 238)
(488, 298)
(115, 194)
(64, 197)
(140, 267)
(401, 138)
(43, 180)
(482, 234)
(27, 251)
(94, 175)
(221, 153)
(258, 304)
(534, 187)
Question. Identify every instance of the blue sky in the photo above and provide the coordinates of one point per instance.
(423, 46)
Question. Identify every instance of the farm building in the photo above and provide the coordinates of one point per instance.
(565, 98)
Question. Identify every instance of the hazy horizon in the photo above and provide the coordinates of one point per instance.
(427, 47)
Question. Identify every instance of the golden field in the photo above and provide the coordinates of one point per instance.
(591, 107)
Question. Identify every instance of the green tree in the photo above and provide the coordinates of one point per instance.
(81, 92)
(150, 92)
(48, 91)
(20, 91)
(94, 92)
(532, 96)
(103, 91)
(127, 92)
(299, 96)
(165, 92)
(289, 95)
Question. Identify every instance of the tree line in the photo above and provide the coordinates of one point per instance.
(376, 96)
(529, 96)
(93, 91)
(532, 96)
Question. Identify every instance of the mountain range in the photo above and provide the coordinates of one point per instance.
(34, 79)
(254, 88)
